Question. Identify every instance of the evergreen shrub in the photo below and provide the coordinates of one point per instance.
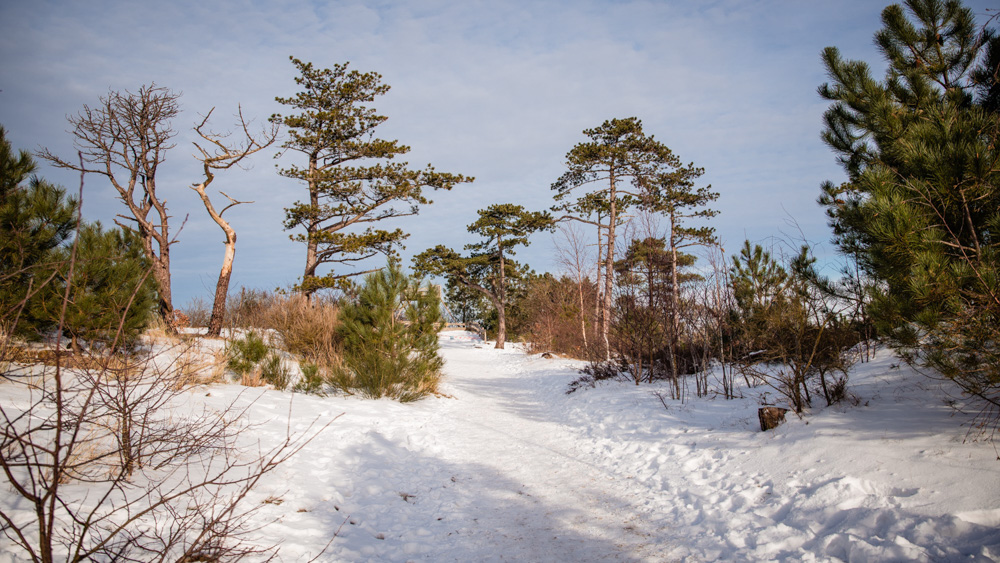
(389, 335)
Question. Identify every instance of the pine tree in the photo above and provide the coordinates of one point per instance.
(389, 337)
(672, 192)
(921, 207)
(618, 151)
(35, 219)
(788, 329)
(488, 268)
(349, 174)
(112, 295)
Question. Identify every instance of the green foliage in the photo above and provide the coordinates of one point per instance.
(112, 294)
(789, 331)
(312, 380)
(390, 338)
(348, 181)
(921, 208)
(35, 219)
(252, 355)
(243, 354)
(465, 303)
(273, 371)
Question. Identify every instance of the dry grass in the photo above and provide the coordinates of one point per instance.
(252, 379)
(198, 367)
(308, 329)
(20, 354)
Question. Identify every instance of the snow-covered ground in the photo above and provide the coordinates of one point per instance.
(508, 467)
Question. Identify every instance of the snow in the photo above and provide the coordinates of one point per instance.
(505, 466)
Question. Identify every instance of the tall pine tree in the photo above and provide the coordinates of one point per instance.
(613, 162)
(352, 182)
(921, 207)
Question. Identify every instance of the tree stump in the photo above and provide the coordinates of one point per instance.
(770, 417)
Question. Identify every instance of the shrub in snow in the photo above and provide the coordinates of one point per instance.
(790, 331)
(389, 333)
(256, 363)
(311, 381)
(243, 354)
(273, 371)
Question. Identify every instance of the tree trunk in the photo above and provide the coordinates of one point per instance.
(222, 287)
(311, 230)
(598, 301)
(583, 318)
(674, 306)
(161, 273)
(501, 304)
(609, 267)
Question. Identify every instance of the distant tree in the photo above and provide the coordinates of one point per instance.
(389, 338)
(125, 139)
(551, 310)
(467, 304)
(488, 266)
(35, 219)
(920, 210)
(575, 259)
(219, 153)
(347, 173)
(618, 151)
(648, 306)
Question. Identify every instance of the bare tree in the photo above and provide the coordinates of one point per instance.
(125, 139)
(220, 154)
(576, 260)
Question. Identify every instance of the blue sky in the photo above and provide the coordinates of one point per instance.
(493, 89)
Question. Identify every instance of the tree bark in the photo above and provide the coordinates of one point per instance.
(312, 259)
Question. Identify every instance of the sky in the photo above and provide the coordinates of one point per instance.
(498, 90)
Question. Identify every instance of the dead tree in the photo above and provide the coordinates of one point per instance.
(219, 154)
(125, 139)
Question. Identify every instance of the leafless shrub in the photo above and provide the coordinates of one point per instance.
(102, 462)
(198, 312)
(112, 468)
(250, 308)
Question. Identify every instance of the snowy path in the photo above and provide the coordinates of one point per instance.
(531, 495)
